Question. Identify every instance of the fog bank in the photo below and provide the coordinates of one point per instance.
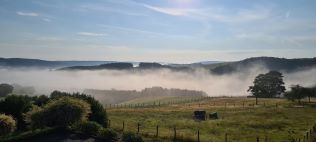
(235, 84)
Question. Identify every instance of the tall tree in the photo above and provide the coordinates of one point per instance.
(267, 85)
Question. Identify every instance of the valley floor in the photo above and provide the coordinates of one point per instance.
(273, 120)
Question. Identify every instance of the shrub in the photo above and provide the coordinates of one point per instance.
(15, 106)
(59, 112)
(89, 127)
(131, 137)
(40, 100)
(107, 134)
(98, 113)
(7, 124)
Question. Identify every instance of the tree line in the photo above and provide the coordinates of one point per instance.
(271, 85)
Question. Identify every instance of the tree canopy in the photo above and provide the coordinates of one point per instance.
(267, 85)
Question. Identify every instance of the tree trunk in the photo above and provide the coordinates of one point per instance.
(256, 100)
(309, 99)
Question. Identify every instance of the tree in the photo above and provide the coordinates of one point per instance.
(98, 113)
(16, 105)
(40, 100)
(61, 112)
(267, 85)
(5, 89)
(7, 124)
(309, 92)
(296, 93)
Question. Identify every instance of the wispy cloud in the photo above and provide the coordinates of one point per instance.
(33, 14)
(46, 19)
(91, 34)
(213, 14)
(170, 11)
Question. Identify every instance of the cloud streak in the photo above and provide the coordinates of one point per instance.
(32, 14)
(91, 34)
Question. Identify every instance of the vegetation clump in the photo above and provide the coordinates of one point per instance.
(7, 124)
(131, 137)
(98, 113)
(59, 112)
(107, 134)
(16, 106)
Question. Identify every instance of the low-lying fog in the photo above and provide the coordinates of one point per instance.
(235, 84)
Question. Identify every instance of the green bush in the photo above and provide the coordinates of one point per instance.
(131, 137)
(89, 127)
(61, 112)
(16, 106)
(98, 113)
(7, 124)
(107, 134)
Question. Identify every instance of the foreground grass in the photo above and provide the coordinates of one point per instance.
(272, 120)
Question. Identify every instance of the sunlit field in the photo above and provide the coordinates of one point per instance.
(239, 119)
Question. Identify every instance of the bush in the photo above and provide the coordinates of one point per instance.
(107, 134)
(131, 137)
(61, 112)
(16, 106)
(89, 127)
(7, 124)
(98, 113)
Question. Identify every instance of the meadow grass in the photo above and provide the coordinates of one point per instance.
(272, 120)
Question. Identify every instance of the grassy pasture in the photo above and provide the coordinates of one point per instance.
(273, 120)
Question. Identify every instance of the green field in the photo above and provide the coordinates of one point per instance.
(272, 120)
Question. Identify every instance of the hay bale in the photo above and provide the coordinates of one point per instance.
(213, 115)
(200, 115)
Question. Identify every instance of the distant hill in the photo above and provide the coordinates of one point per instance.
(129, 66)
(37, 63)
(271, 63)
(110, 66)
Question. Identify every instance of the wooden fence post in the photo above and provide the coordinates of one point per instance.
(198, 135)
(226, 140)
(175, 134)
(123, 126)
(109, 123)
(257, 139)
(157, 131)
(138, 128)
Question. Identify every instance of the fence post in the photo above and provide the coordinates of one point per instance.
(157, 131)
(123, 126)
(226, 140)
(109, 123)
(175, 134)
(257, 139)
(198, 135)
(138, 128)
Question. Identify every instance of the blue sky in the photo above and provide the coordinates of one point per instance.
(180, 31)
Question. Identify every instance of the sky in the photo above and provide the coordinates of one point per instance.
(178, 31)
